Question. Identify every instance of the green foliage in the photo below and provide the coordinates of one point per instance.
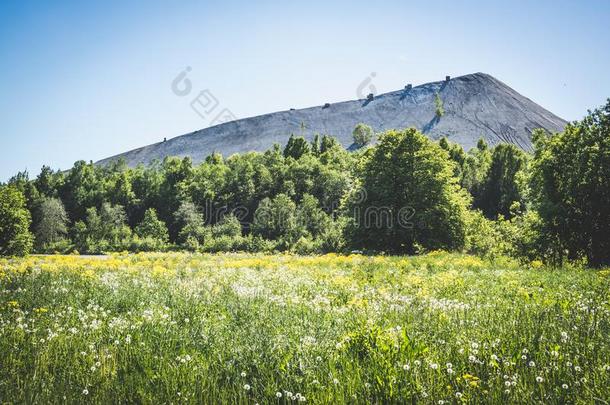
(191, 223)
(239, 328)
(152, 227)
(408, 197)
(15, 219)
(296, 147)
(363, 134)
(50, 224)
(571, 187)
(438, 105)
(229, 226)
(276, 219)
(103, 230)
(500, 188)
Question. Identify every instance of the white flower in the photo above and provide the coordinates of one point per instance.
(243, 373)
(335, 381)
(458, 395)
(417, 362)
(92, 369)
(433, 366)
(507, 391)
(577, 368)
(472, 359)
(449, 371)
(523, 357)
(564, 386)
(449, 365)
(532, 364)
(539, 379)
(85, 391)
(278, 394)
(406, 367)
(507, 383)
(247, 387)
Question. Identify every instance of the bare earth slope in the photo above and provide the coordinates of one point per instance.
(476, 106)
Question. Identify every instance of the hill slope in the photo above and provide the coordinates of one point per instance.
(476, 106)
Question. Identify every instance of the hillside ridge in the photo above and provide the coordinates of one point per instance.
(476, 106)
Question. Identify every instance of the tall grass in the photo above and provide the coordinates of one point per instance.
(233, 328)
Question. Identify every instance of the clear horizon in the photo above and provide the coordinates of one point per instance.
(85, 82)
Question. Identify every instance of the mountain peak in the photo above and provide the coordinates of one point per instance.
(476, 106)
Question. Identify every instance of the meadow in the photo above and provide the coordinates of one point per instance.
(240, 328)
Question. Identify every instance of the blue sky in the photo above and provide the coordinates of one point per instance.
(87, 81)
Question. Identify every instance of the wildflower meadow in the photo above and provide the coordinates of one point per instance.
(280, 329)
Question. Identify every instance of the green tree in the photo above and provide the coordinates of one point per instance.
(191, 223)
(276, 219)
(501, 187)
(312, 217)
(152, 227)
(296, 147)
(51, 224)
(408, 197)
(363, 134)
(438, 104)
(228, 226)
(15, 219)
(570, 184)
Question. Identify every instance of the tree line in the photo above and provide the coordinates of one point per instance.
(403, 194)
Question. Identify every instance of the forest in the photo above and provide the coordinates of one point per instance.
(397, 193)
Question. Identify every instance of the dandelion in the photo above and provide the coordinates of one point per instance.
(417, 362)
(577, 368)
(449, 365)
(532, 364)
(85, 391)
(539, 379)
(247, 387)
(335, 381)
(458, 395)
(507, 392)
(524, 357)
(472, 359)
(564, 386)
(278, 394)
(406, 367)
(433, 366)
(507, 383)
(243, 373)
